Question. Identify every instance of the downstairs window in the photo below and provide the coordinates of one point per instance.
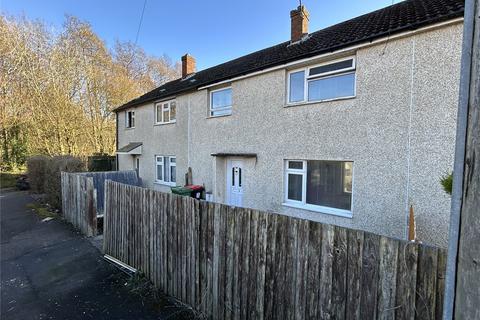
(324, 186)
(166, 170)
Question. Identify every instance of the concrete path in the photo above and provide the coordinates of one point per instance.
(49, 271)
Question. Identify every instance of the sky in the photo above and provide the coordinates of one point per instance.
(213, 31)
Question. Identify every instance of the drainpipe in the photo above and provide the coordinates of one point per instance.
(188, 133)
(458, 166)
(409, 139)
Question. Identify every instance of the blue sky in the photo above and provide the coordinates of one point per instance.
(212, 31)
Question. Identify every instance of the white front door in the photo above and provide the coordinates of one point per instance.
(235, 177)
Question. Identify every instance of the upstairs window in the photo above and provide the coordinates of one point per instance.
(166, 169)
(221, 102)
(324, 186)
(130, 119)
(328, 81)
(166, 112)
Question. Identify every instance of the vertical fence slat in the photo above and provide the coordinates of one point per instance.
(269, 266)
(368, 301)
(339, 273)
(252, 264)
(426, 283)
(313, 273)
(301, 269)
(387, 278)
(279, 269)
(441, 270)
(245, 255)
(229, 271)
(261, 257)
(354, 274)
(326, 263)
(237, 262)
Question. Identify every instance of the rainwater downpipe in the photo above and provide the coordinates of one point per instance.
(409, 137)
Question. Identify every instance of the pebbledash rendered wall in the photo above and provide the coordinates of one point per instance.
(399, 130)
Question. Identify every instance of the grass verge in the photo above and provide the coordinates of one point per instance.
(9, 179)
(41, 210)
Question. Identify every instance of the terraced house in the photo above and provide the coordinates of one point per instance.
(349, 125)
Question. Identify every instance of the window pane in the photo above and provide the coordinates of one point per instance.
(347, 177)
(295, 165)
(159, 112)
(297, 86)
(332, 87)
(159, 172)
(173, 173)
(295, 187)
(173, 110)
(332, 67)
(325, 184)
(166, 116)
(173, 160)
(222, 98)
(166, 166)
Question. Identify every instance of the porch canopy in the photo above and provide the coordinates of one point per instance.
(131, 148)
(234, 154)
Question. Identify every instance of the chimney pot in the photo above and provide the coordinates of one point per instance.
(188, 65)
(299, 23)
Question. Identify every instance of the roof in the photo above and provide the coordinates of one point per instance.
(400, 17)
(129, 147)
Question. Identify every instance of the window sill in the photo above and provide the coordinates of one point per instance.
(325, 210)
(129, 128)
(303, 103)
(168, 184)
(220, 116)
(164, 123)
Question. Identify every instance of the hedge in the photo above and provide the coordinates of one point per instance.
(36, 167)
(44, 175)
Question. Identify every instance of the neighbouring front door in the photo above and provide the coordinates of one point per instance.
(235, 176)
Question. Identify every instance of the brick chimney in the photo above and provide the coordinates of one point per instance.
(188, 65)
(299, 19)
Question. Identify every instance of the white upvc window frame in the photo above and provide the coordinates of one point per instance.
(301, 172)
(303, 203)
(165, 106)
(166, 178)
(128, 123)
(210, 103)
(325, 75)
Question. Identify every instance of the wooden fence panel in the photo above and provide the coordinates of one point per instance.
(237, 263)
(79, 202)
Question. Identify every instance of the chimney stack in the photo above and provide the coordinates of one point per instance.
(299, 19)
(188, 65)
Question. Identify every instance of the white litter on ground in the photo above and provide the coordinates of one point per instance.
(47, 219)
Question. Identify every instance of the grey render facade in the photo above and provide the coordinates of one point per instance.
(388, 143)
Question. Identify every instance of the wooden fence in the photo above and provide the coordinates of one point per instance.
(236, 263)
(79, 202)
